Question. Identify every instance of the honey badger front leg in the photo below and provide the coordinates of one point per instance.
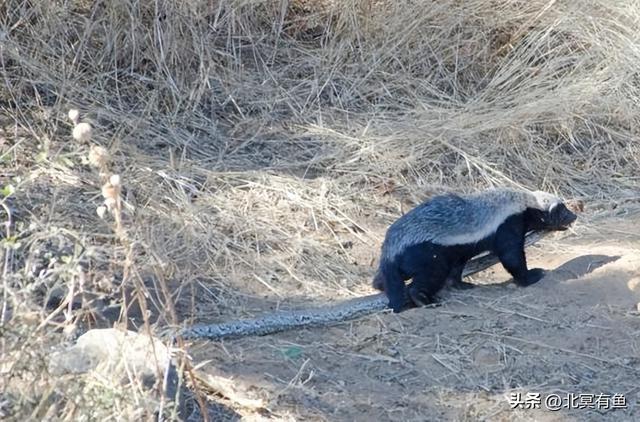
(509, 247)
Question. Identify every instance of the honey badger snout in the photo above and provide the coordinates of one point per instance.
(560, 217)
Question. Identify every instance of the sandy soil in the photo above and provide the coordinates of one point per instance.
(575, 332)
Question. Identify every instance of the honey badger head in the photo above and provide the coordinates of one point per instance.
(545, 200)
(551, 213)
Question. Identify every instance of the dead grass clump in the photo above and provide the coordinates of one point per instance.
(262, 148)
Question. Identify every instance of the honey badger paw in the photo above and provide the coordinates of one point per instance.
(533, 276)
(400, 305)
(420, 298)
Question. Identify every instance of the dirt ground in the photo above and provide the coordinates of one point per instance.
(577, 332)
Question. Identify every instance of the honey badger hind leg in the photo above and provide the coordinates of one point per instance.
(426, 283)
(455, 278)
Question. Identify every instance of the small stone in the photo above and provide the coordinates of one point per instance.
(486, 357)
(122, 357)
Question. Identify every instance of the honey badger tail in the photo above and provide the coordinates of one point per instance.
(378, 281)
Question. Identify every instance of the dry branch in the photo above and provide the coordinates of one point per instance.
(326, 315)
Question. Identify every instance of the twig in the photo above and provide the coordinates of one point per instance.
(548, 346)
(438, 359)
(7, 260)
(520, 314)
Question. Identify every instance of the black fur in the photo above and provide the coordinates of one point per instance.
(431, 265)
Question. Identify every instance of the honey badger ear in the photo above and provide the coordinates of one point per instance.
(546, 201)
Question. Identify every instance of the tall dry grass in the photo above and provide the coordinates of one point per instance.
(264, 146)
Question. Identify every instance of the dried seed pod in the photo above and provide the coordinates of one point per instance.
(74, 116)
(82, 132)
(101, 211)
(110, 203)
(98, 156)
(115, 180)
(109, 191)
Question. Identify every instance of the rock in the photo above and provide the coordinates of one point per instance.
(486, 357)
(125, 358)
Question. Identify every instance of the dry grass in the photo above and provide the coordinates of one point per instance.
(263, 147)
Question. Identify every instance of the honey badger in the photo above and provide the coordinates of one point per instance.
(432, 242)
